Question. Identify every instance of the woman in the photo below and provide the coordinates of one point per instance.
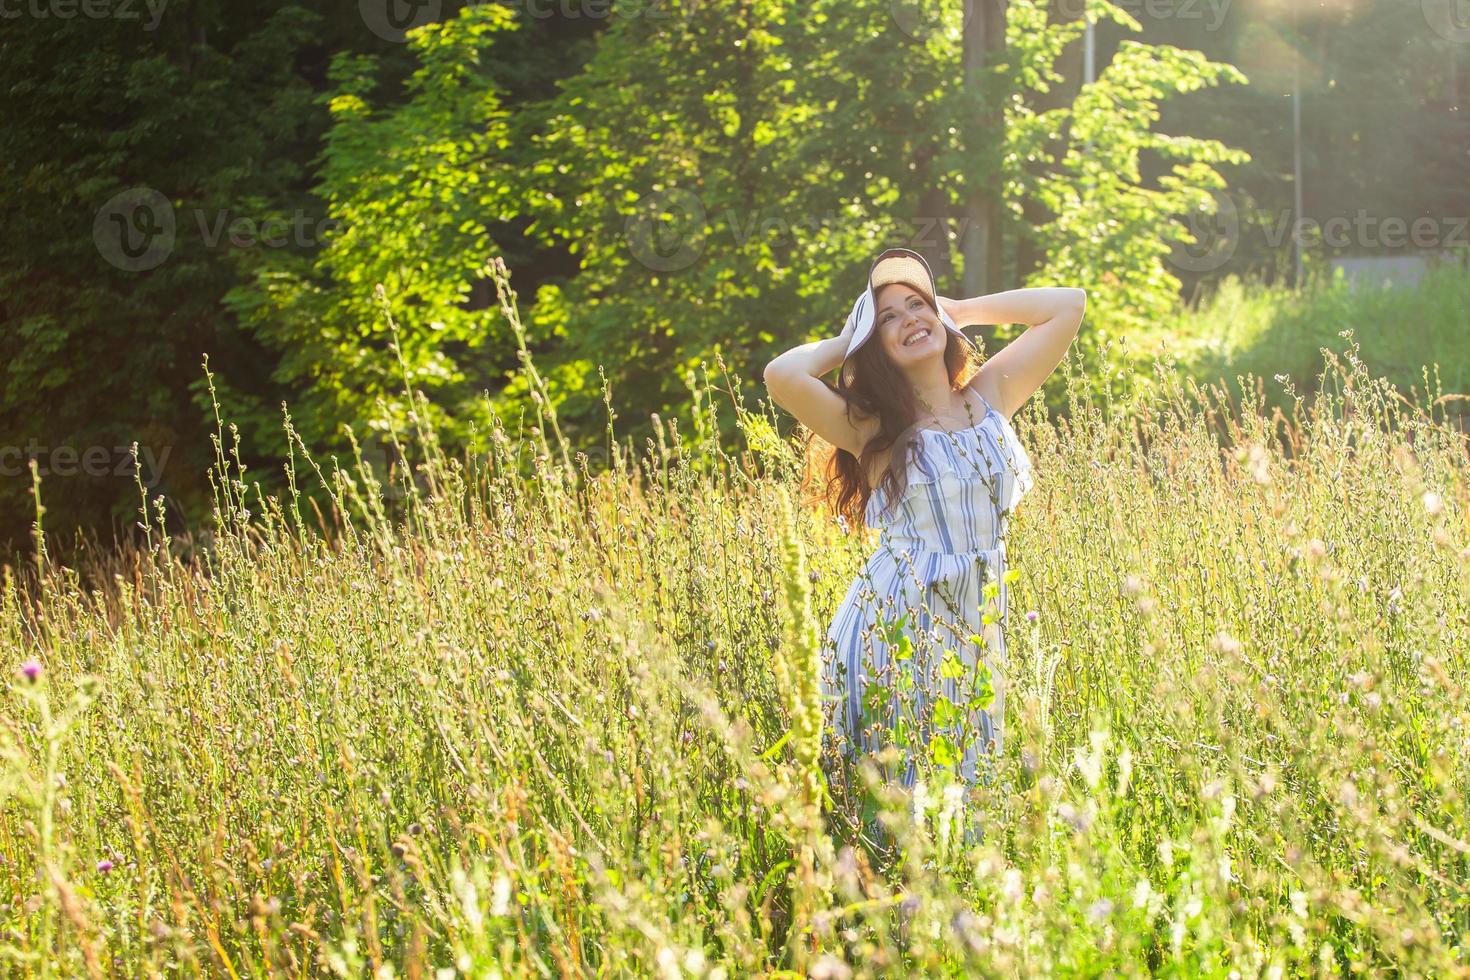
(923, 449)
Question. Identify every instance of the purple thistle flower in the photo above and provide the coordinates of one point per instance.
(31, 669)
(104, 865)
(1032, 616)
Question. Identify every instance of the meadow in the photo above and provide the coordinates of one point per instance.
(516, 714)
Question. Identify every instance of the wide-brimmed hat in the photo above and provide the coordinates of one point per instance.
(892, 265)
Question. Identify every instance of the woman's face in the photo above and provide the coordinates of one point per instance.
(907, 326)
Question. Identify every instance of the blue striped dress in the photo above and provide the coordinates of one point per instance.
(939, 544)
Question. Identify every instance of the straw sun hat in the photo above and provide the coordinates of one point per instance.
(892, 265)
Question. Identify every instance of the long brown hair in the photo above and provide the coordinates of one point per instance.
(835, 477)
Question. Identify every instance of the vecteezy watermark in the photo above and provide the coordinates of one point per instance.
(98, 461)
(391, 20)
(90, 9)
(1450, 19)
(1217, 233)
(137, 229)
(667, 229)
(603, 9)
(1212, 12)
(670, 228)
(921, 18)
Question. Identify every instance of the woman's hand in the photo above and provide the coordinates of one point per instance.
(1030, 306)
(953, 307)
(850, 327)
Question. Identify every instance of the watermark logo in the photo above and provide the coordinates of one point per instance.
(391, 20)
(135, 229)
(603, 9)
(1450, 19)
(921, 18)
(1212, 12)
(1218, 233)
(666, 231)
(95, 461)
(1214, 234)
(90, 9)
(670, 229)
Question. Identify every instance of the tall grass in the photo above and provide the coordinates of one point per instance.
(516, 714)
(1414, 338)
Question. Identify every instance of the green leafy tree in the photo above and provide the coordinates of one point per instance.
(410, 189)
(1108, 228)
(201, 112)
(827, 131)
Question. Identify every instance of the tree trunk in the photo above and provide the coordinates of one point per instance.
(980, 241)
(1063, 93)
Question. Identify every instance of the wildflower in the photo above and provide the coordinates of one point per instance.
(970, 930)
(1316, 549)
(1260, 464)
(830, 967)
(500, 896)
(1099, 910)
(1433, 503)
(1226, 643)
(1032, 615)
(31, 670)
(104, 866)
(1132, 585)
(1073, 816)
(1299, 904)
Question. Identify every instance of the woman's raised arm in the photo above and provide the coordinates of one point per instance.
(1052, 314)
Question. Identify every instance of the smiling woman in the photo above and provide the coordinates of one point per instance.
(923, 450)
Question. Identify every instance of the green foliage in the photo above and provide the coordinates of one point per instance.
(410, 190)
(92, 356)
(1110, 229)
